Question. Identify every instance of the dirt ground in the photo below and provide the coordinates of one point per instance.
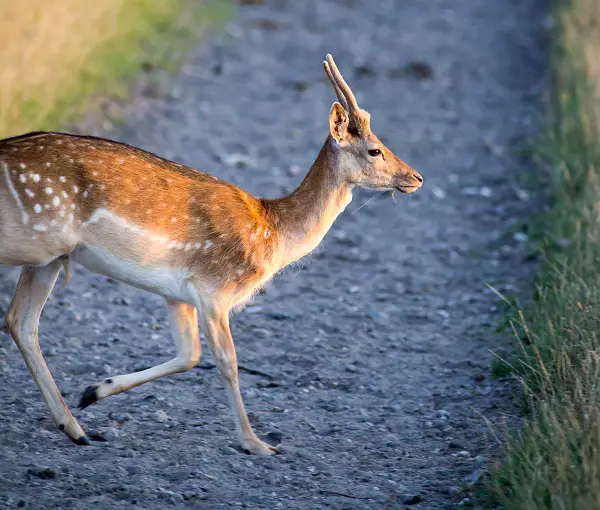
(371, 359)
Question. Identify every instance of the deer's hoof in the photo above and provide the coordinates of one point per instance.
(82, 441)
(89, 396)
(260, 448)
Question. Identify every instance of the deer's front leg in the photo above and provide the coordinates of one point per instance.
(220, 341)
(183, 319)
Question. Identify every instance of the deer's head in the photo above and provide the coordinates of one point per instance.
(361, 156)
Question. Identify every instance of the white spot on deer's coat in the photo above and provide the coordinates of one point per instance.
(75, 189)
(37, 208)
(62, 178)
(48, 164)
(48, 190)
(62, 213)
(173, 220)
(207, 244)
(36, 177)
(179, 246)
(73, 206)
(40, 228)
(171, 245)
(22, 178)
(198, 245)
(85, 194)
(22, 165)
(29, 193)
(56, 201)
(267, 233)
(188, 246)
(48, 179)
(13, 192)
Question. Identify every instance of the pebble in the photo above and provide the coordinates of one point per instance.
(261, 333)
(520, 237)
(111, 433)
(134, 469)
(160, 416)
(474, 477)
(411, 499)
(438, 193)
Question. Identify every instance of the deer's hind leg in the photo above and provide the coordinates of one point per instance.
(22, 319)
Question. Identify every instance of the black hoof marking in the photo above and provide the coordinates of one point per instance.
(61, 427)
(89, 397)
(82, 441)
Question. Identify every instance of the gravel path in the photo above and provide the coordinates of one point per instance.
(372, 356)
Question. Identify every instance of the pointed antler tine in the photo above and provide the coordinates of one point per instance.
(343, 86)
(338, 91)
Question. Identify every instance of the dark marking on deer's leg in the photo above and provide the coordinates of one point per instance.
(89, 396)
(61, 427)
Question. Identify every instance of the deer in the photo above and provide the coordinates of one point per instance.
(204, 244)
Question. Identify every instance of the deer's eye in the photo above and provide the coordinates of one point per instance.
(374, 153)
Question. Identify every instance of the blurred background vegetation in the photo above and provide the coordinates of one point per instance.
(553, 462)
(56, 56)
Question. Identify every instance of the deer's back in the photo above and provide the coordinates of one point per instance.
(66, 192)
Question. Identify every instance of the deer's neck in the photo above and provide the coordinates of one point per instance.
(304, 217)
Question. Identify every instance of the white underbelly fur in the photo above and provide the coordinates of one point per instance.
(162, 280)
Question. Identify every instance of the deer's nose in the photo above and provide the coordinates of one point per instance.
(417, 176)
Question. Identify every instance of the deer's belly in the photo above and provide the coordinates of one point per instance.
(158, 279)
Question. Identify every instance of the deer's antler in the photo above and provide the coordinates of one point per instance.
(342, 89)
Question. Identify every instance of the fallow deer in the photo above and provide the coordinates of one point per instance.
(203, 244)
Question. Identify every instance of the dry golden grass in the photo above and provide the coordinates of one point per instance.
(580, 31)
(56, 54)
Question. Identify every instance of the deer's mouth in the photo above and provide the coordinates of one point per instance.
(407, 189)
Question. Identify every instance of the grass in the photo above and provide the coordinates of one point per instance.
(57, 56)
(553, 462)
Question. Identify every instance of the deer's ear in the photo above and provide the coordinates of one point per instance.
(338, 122)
